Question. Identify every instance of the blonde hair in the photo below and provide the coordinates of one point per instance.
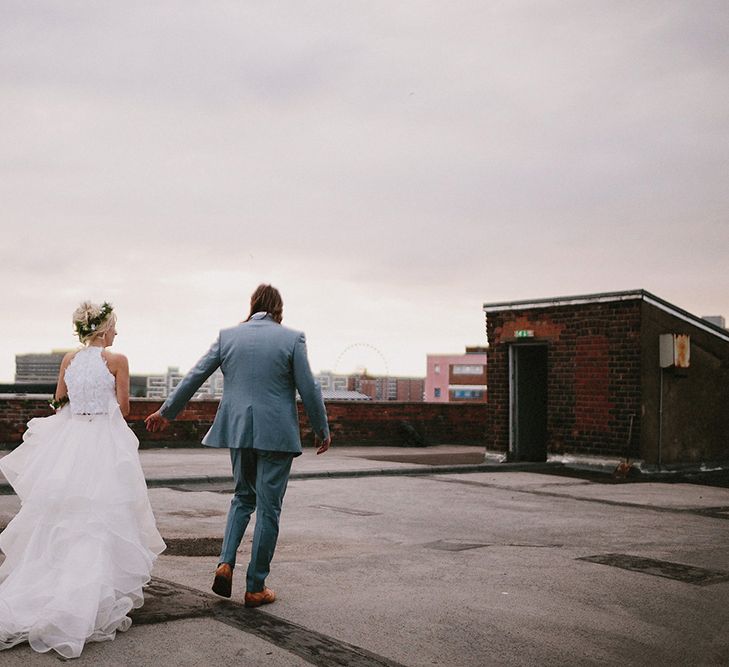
(92, 321)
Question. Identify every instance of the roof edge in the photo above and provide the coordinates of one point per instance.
(565, 300)
(607, 297)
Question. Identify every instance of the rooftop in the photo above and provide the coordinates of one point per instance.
(387, 569)
(607, 297)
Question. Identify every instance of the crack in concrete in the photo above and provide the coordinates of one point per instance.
(346, 510)
(456, 545)
(709, 512)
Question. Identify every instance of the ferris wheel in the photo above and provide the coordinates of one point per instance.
(357, 349)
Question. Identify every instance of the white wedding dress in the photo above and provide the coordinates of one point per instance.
(82, 546)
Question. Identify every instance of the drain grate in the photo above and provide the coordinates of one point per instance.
(454, 545)
(193, 546)
(346, 510)
(689, 574)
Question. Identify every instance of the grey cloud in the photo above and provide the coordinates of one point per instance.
(490, 150)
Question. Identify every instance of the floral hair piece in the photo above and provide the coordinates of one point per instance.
(88, 327)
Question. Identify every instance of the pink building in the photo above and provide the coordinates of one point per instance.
(456, 377)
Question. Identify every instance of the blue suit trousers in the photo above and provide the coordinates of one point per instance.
(260, 480)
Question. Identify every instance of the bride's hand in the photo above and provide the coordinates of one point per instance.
(156, 422)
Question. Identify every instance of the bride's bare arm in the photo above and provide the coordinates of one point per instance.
(119, 366)
(122, 385)
(61, 389)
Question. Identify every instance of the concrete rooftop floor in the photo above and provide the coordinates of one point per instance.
(474, 568)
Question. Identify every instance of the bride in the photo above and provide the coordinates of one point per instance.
(84, 541)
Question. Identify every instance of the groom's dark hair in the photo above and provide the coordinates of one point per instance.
(267, 299)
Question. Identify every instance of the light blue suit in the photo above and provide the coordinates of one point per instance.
(263, 365)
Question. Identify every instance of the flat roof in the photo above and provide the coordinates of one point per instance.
(343, 395)
(607, 297)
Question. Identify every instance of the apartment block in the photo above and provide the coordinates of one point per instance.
(456, 377)
(38, 368)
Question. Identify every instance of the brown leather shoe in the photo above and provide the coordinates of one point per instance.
(266, 596)
(223, 582)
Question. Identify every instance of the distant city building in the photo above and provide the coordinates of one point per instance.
(217, 383)
(456, 377)
(357, 386)
(212, 387)
(161, 386)
(329, 381)
(388, 388)
(374, 387)
(378, 388)
(138, 386)
(410, 390)
(38, 368)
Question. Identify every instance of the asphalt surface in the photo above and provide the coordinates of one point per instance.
(384, 559)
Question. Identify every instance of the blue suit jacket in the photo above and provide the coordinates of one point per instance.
(263, 365)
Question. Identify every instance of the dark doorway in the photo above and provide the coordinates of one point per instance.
(528, 398)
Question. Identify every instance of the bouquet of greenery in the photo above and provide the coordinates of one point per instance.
(58, 403)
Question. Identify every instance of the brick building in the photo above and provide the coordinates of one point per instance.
(410, 389)
(387, 387)
(456, 377)
(375, 387)
(583, 374)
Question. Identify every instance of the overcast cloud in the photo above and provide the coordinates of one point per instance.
(389, 165)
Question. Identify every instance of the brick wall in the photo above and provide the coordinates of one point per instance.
(14, 415)
(351, 423)
(695, 420)
(593, 368)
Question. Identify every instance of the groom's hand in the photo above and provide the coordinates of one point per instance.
(156, 422)
(324, 444)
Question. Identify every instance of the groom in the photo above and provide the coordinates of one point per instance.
(263, 365)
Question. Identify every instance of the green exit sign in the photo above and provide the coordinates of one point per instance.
(524, 333)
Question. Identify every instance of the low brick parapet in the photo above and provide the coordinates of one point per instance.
(351, 423)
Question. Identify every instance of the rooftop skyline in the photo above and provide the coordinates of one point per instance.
(389, 167)
(346, 369)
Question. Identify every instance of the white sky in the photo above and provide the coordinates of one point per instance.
(388, 165)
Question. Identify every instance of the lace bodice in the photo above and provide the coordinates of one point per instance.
(91, 386)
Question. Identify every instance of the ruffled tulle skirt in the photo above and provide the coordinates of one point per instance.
(82, 546)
